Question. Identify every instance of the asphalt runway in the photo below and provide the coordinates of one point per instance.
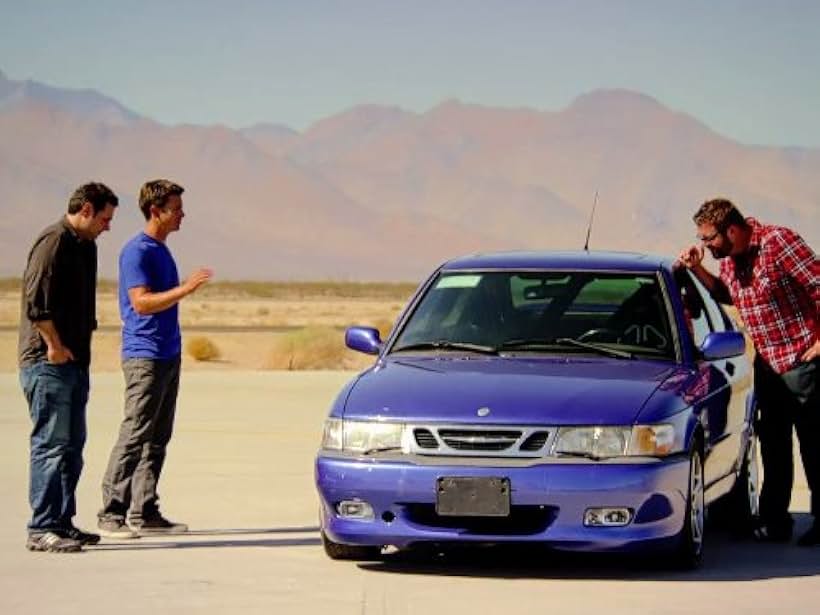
(240, 473)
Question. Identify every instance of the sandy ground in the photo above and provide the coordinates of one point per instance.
(239, 472)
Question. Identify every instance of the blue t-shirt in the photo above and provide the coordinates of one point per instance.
(144, 261)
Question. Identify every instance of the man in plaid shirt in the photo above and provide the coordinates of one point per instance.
(772, 277)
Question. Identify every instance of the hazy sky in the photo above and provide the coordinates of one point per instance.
(750, 69)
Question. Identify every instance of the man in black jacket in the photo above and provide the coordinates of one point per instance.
(58, 315)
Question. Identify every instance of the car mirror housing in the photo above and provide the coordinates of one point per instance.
(723, 345)
(363, 339)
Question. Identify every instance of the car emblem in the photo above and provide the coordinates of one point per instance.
(483, 411)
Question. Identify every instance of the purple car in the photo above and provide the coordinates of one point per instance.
(587, 401)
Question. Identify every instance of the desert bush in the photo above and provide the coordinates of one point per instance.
(202, 349)
(314, 348)
(308, 348)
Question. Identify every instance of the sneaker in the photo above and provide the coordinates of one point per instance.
(52, 543)
(115, 527)
(812, 537)
(157, 524)
(84, 538)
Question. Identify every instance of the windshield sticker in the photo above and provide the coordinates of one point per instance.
(458, 281)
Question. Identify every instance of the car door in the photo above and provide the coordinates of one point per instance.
(729, 385)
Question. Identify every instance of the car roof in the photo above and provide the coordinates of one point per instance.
(591, 260)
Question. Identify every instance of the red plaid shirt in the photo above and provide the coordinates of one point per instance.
(775, 286)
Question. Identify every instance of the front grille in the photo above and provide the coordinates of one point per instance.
(536, 441)
(479, 440)
(425, 438)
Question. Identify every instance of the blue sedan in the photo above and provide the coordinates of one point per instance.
(583, 400)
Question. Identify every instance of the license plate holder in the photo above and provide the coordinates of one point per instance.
(473, 496)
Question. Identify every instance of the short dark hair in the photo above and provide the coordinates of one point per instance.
(99, 195)
(721, 213)
(155, 193)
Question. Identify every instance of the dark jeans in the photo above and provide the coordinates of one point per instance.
(787, 400)
(130, 483)
(56, 396)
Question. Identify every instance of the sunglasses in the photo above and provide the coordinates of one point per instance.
(707, 238)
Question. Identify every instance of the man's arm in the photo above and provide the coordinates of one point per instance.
(800, 263)
(146, 302)
(692, 259)
(40, 297)
(56, 352)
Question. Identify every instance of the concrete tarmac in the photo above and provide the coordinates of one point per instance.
(240, 473)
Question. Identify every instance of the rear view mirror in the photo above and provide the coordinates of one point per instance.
(543, 291)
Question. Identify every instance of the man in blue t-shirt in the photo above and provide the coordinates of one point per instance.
(149, 291)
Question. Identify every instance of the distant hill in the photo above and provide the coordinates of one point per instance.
(377, 192)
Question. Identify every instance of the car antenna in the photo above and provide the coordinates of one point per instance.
(591, 217)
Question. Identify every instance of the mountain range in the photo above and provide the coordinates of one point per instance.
(378, 192)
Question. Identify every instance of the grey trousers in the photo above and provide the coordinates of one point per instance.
(129, 487)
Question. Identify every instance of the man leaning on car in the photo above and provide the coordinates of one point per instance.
(772, 277)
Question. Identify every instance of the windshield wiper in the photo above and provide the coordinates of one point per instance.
(604, 350)
(522, 344)
(447, 345)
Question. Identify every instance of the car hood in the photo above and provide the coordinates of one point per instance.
(515, 390)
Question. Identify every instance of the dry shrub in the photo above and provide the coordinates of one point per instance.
(202, 349)
(309, 348)
(384, 325)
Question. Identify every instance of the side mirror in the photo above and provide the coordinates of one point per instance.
(723, 345)
(363, 339)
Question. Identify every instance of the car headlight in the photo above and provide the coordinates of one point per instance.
(332, 435)
(595, 442)
(601, 442)
(362, 436)
(653, 440)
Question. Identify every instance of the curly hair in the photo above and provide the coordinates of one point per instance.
(721, 213)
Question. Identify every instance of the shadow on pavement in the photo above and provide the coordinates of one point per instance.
(190, 539)
(266, 530)
(726, 559)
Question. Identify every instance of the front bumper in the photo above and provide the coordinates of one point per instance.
(548, 501)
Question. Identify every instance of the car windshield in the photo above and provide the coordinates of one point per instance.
(613, 314)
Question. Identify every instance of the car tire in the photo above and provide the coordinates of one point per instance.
(338, 551)
(689, 552)
(737, 510)
(742, 500)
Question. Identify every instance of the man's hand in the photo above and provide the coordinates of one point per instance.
(59, 355)
(691, 257)
(197, 279)
(812, 353)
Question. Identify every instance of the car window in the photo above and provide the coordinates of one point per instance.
(497, 308)
(696, 310)
(718, 318)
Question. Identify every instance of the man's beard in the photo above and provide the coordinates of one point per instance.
(724, 250)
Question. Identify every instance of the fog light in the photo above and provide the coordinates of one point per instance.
(354, 509)
(607, 517)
